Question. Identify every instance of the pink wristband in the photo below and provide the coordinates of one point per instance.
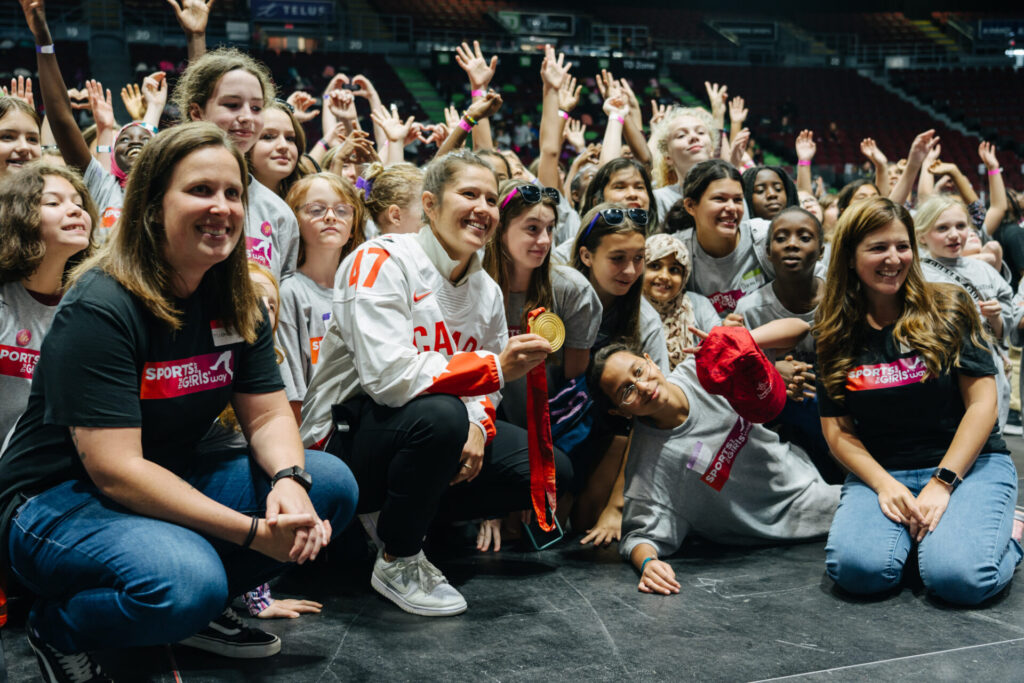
(563, 114)
(464, 125)
(620, 119)
(477, 93)
(995, 171)
(803, 162)
(747, 166)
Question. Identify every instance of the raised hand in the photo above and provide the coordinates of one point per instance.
(21, 89)
(477, 68)
(192, 15)
(391, 123)
(554, 70)
(923, 143)
(607, 86)
(658, 111)
(940, 167)
(806, 148)
(616, 105)
(304, 106)
(717, 96)
(987, 153)
(634, 104)
(737, 111)
(102, 107)
(569, 94)
(737, 148)
(342, 104)
(451, 117)
(486, 106)
(869, 148)
(366, 89)
(134, 102)
(574, 134)
(35, 17)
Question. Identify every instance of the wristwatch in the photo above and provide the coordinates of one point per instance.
(297, 473)
(947, 477)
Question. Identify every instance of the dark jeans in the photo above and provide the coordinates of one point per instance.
(405, 458)
(107, 577)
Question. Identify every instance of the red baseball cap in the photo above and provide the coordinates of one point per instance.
(730, 364)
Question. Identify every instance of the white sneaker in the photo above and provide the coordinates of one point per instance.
(417, 586)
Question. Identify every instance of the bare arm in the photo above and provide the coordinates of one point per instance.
(918, 150)
(553, 73)
(55, 94)
(805, 151)
(997, 203)
(193, 16)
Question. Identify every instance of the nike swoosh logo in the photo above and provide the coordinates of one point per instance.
(416, 298)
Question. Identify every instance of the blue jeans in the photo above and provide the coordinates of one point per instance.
(107, 577)
(968, 558)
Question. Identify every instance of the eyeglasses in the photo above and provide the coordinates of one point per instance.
(616, 216)
(641, 375)
(316, 211)
(531, 194)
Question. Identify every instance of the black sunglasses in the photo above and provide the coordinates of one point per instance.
(531, 194)
(616, 216)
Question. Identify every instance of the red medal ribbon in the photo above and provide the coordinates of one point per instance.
(541, 448)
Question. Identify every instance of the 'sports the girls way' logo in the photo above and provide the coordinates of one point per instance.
(174, 378)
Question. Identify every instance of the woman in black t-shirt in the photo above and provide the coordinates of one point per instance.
(124, 533)
(908, 404)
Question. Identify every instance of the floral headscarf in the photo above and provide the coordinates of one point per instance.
(676, 313)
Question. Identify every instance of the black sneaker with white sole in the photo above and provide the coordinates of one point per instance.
(228, 636)
(58, 667)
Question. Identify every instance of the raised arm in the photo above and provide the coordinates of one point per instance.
(480, 109)
(869, 148)
(806, 148)
(193, 16)
(918, 151)
(553, 72)
(480, 72)
(55, 95)
(997, 203)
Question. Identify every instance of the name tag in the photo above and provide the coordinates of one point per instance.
(222, 336)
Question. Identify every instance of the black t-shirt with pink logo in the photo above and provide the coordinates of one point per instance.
(107, 362)
(904, 422)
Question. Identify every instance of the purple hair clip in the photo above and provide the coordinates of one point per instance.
(365, 185)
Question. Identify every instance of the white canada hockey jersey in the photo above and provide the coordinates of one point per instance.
(400, 328)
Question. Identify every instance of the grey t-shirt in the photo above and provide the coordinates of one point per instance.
(704, 314)
(727, 279)
(108, 196)
(576, 303)
(568, 222)
(989, 284)
(23, 324)
(271, 231)
(301, 325)
(665, 197)
(720, 476)
(763, 306)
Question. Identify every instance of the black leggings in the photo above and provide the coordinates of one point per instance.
(405, 458)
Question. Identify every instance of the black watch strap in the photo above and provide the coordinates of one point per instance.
(947, 477)
(297, 473)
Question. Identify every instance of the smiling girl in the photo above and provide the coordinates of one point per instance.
(684, 138)
(908, 405)
(331, 221)
(47, 226)
(230, 89)
(274, 158)
(411, 368)
(943, 228)
(19, 135)
(728, 261)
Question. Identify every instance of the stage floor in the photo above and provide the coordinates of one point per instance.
(573, 613)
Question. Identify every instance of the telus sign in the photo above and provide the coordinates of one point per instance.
(292, 10)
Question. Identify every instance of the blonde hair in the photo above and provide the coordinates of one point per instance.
(344, 189)
(200, 79)
(399, 184)
(933, 319)
(664, 174)
(930, 211)
(134, 253)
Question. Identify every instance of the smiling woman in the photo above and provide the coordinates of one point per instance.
(908, 405)
(411, 369)
(161, 329)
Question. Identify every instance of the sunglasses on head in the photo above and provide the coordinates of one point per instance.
(531, 194)
(616, 216)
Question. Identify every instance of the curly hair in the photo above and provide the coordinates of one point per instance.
(22, 248)
(665, 174)
(934, 316)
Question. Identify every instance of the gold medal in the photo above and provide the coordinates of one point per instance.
(551, 327)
